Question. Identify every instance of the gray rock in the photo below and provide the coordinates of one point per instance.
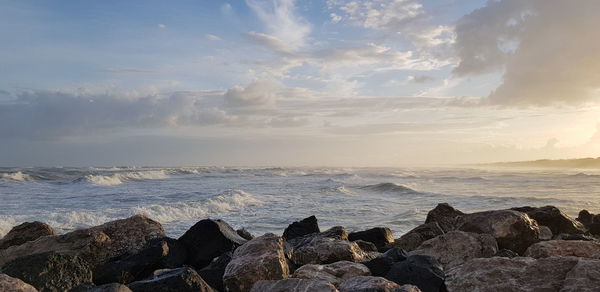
(583, 277)
(422, 271)
(175, 280)
(545, 233)
(301, 228)
(556, 220)
(416, 236)
(380, 236)
(326, 247)
(293, 285)
(262, 258)
(456, 247)
(10, 284)
(333, 273)
(374, 284)
(111, 287)
(445, 216)
(213, 273)
(25, 232)
(577, 248)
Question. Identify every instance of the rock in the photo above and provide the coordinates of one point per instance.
(300, 228)
(213, 273)
(293, 285)
(96, 245)
(332, 273)
(366, 246)
(445, 215)
(374, 284)
(512, 229)
(594, 228)
(50, 271)
(245, 234)
(585, 217)
(10, 284)
(556, 220)
(380, 236)
(175, 280)
(545, 233)
(422, 271)
(456, 247)
(325, 250)
(564, 236)
(576, 248)
(416, 236)
(506, 253)
(380, 265)
(262, 258)
(160, 253)
(111, 287)
(525, 274)
(208, 239)
(25, 232)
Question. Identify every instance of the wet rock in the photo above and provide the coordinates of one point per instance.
(161, 253)
(374, 284)
(416, 236)
(456, 247)
(380, 236)
(576, 248)
(545, 233)
(512, 229)
(333, 273)
(50, 271)
(96, 245)
(175, 280)
(213, 273)
(10, 284)
(293, 285)
(506, 253)
(556, 220)
(300, 228)
(380, 265)
(422, 271)
(245, 234)
(445, 215)
(262, 258)
(25, 232)
(525, 274)
(208, 239)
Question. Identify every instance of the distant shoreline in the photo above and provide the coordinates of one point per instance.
(550, 163)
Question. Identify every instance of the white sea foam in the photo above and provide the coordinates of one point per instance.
(121, 177)
(15, 176)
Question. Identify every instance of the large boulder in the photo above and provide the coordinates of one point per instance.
(555, 219)
(445, 216)
(512, 229)
(332, 273)
(326, 247)
(576, 248)
(50, 271)
(590, 221)
(96, 245)
(422, 271)
(380, 236)
(10, 284)
(262, 258)
(374, 284)
(523, 274)
(160, 253)
(213, 273)
(380, 265)
(175, 280)
(416, 236)
(300, 228)
(208, 239)
(25, 232)
(110, 287)
(293, 285)
(457, 247)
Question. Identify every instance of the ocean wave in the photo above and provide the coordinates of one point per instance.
(229, 201)
(121, 177)
(16, 176)
(390, 187)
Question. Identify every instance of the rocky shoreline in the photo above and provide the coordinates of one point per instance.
(520, 249)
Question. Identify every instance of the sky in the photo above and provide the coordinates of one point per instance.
(298, 83)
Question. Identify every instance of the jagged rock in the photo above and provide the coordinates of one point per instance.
(512, 229)
(213, 273)
(585, 217)
(293, 285)
(564, 236)
(300, 228)
(10, 284)
(366, 246)
(25, 232)
(380, 265)
(577, 248)
(50, 271)
(445, 215)
(523, 274)
(374, 284)
(208, 239)
(545, 233)
(325, 250)
(556, 220)
(380, 236)
(96, 245)
(457, 247)
(176, 280)
(333, 273)
(111, 287)
(262, 258)
(160, 253)
(416, 236)
(245, 234)
(506, 253)
(422, 271)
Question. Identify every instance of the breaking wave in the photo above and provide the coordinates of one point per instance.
(121, 177)
(390, 187)
(16, 176)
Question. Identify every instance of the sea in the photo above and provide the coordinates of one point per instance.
(268, 199)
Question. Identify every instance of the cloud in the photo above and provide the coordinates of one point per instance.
(420, 79)
(378, 14)
(258, 93)
(161, 25)
(281, 21)
(549, 50)
(126, 71)
(212, 37)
